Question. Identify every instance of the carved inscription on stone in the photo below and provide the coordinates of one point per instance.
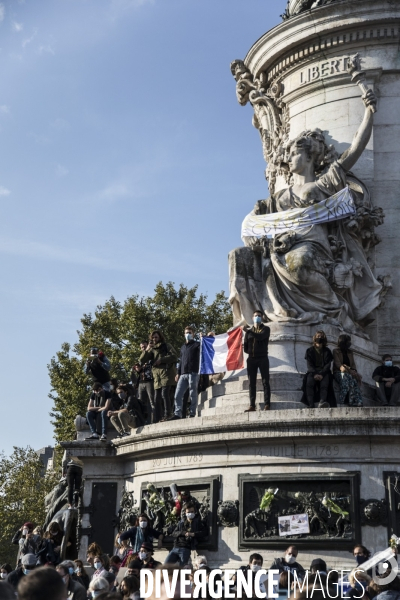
(178, 459)
(323, 69)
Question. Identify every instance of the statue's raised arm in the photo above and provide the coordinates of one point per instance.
(361, 139)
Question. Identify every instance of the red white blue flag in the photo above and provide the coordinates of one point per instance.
(221, 353)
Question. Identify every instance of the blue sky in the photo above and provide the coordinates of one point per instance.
(125, 159)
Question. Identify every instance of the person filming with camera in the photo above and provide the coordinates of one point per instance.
(98, 366)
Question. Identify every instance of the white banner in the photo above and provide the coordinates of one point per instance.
(338, 206)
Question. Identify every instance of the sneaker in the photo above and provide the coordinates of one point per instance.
(175, 418)
(250, 409)
(324, 405)
(192, 416)
(126, 434)
(94, 436)
(103, 438)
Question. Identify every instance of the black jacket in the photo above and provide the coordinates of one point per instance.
(386, 373)
(15, 577)
(282, 565)
(256, 341)
(196, 526)
(189, 360)
(311, 358)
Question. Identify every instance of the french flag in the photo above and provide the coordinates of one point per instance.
(221, 353)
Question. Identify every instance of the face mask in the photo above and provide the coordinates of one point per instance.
(25, 531)
(361, 559)
(142, 524)
(27, 571)
(111, 387)
(119, 540)
(290, 559)
(97, 593)
(318, 341)
(202, 566)
(188, 337)
(3, 575)
(255, 568)
(122, 395)
(97, 565)
(142, 555)
(77, 570)
(388, 363)
(190, 515)
(257, 320)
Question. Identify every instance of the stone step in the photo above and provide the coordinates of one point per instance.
(240, 408)
(241, 397)
(279, 381)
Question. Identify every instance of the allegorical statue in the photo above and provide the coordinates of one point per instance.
(317, 273)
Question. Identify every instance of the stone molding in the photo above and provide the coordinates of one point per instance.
(342, 24)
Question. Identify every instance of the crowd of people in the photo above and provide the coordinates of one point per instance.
(117, 577)
(165, 386)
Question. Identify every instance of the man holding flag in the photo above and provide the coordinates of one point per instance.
(256, 346)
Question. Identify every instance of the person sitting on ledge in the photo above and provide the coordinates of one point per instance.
(143, 533)
(318, 377)
(256, 346)
(345, 372)
(387, 378)
(146, 556)
(289, 563)
(99, 403)
(130, 413)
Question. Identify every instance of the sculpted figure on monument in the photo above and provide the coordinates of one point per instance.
(318, 273)
(295, 7)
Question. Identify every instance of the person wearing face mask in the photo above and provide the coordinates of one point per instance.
(4, 571)
(146, 552)
(187, 534)
(256, 347)
(129, 415)
(27, 541)
(318, 379)
(98, 586)
(188, 374)
(98, 565)
(289, 563)
(99, 404)
(143, 374)
(345, 372)
(387, 381)
(143, 533)
(81, 573)
(361, 554)
(75, 590)
(255, 564)
(28, 564)
(163, 358)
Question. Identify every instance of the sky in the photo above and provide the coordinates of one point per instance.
(125, 160)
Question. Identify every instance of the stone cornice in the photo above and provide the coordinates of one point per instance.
(299, 38)
(378, 423)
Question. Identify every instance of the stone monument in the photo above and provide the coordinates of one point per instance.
(325, 87)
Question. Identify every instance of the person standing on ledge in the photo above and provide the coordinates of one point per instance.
(188, 374)
(256, 346)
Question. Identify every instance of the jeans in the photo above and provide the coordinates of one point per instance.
(146, 397)
(162, 402)
(74, 481)
(91, 416)
(178, 554)
(188, 380)
(253, 364)
(107, 386)
(123, 422)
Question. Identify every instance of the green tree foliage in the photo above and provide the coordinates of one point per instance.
(118, 329)
(23, 487)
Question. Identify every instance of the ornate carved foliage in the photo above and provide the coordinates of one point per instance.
(127, 513)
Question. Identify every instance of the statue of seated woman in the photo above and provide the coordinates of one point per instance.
(319, 273)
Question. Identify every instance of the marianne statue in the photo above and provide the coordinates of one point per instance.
(318, 273)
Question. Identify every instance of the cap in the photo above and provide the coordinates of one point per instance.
(318, 564)
(109, 576)
(29, 560)
(148, 546)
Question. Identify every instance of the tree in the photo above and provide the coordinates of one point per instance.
(118, 330)
(23, 487)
